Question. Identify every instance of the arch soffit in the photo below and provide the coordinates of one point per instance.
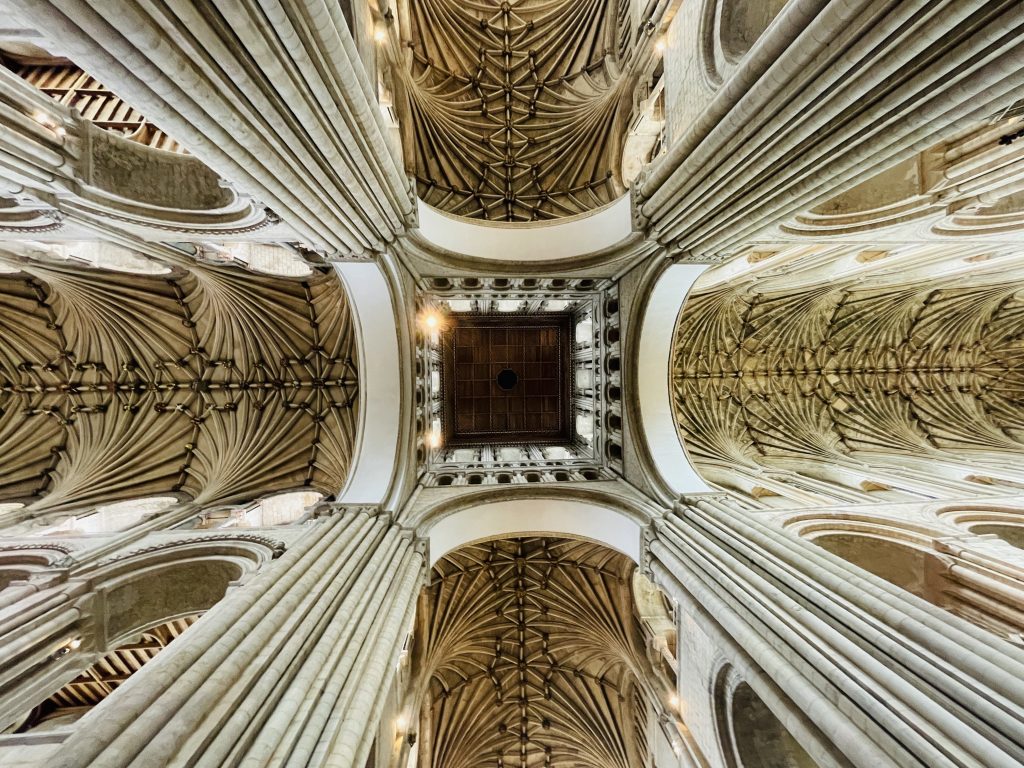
(248, 552)
(817, 524)
(567, 238)
(968, 515)
(375, 307)
(660, 301)
(949, 521)
(597, 515)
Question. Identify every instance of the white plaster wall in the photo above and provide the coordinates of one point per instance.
(19, 751)
(699, 661)
(688, 89)
(654, 364)
(522, 517)
(577, 236)
(378, 437)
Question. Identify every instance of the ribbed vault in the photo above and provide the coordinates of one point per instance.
(213, 383)
(897, 383)
(516, 110)
(528, 654)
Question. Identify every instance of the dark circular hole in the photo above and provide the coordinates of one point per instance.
(507, 379)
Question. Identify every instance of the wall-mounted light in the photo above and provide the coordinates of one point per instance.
(434, 438)
(661, 44)
(380, 33)
(49, 123)
(432, 320)
(71, 645)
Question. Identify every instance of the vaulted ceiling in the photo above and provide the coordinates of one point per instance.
(527, 654)
(839, 376)
(516, 110)
(214, 383)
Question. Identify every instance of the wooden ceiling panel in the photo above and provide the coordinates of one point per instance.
(506, 379)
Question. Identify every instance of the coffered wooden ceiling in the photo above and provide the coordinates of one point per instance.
(527, 654)
(515, 109)
(506, 379)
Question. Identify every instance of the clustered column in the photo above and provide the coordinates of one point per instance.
(859, 671)
(290, 669)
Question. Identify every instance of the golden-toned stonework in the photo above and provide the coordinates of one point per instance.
(514, 110)
(511, 384)
(866, 388)
(212, 383)
(529, 654)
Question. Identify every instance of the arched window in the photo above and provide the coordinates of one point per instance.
(280, 509)
(742, 22)
(1011, 534)
(110, 518)
(261, 257)
(98, 253)
(140, 601)
(966, 590)
(756, 738)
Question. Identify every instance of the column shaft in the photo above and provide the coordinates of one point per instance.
(889, 679)
(287, 670)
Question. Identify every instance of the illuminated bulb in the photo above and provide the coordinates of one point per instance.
(660, 45)
(434, 439)
(380, 34)
(67, 648)
(432, 321)
(402, 722)
(673, 701)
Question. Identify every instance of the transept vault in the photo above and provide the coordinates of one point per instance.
(201, 382)
(511, 384)
(876, 388)
(540, 635)
(515, 109)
